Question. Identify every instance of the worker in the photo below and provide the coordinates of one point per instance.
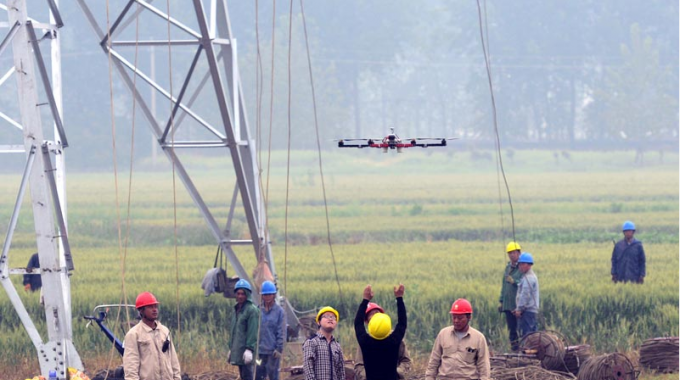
(404, 358)
(322, 354)
(527, 301)
(272, 334)
(380, 346)
(243, 331)
(32, 281)
(149, 351)
(460, 351)
(628, 257)
(511, 278)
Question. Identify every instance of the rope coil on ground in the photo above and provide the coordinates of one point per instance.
(529, 373)
(576, 356)
(548, 346)
(660, 354)
(614, 366)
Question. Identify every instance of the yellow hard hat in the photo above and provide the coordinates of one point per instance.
(380, 326)
(326, 310)
(512, 246)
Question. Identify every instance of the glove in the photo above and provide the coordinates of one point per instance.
(247, 356)
(27, 287)
(276, 354)
(509, 280)
(500, 307)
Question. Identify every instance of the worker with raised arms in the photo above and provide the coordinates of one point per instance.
(380, 345)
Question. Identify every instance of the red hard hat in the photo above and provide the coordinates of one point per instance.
(373, 306)
(145, 299)
(461, 306)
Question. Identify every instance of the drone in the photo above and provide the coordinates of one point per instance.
(392, 141)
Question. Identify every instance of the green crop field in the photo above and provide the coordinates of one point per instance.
(431, 221)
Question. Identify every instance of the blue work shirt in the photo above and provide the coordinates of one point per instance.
(272, 330)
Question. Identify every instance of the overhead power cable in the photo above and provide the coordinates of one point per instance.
(495, 118)
(318, 147)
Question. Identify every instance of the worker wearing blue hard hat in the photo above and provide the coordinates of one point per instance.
(527, 301)
(243, 332)
(272, 333)
(628, 257)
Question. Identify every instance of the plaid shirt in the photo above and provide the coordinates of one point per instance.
(323, 360)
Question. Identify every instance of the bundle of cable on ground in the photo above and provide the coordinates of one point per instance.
(575, 357)
(660, 354)
(547, 346)
(529, 373)
(614, 366)
(513, 361)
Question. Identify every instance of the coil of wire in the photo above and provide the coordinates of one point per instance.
(660, 354)
(548, 346)
(614, 366)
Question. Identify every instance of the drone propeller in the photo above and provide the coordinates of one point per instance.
(434, 138)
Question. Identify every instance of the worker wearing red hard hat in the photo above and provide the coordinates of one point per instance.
(404, 361)
(149, 352)
(460, 351)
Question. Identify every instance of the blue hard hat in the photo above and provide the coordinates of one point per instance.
(628, 225)
(268, 287)
(242, 284)
(526, 258)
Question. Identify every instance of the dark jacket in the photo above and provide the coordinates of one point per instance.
(380, 356)
(243, 332)
(33, 279)
(628, 261)
(509, 289)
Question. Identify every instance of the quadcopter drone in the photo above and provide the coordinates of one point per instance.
(392, 141)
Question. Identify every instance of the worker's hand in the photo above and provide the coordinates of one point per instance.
(614, 279)
(500, 307)
(368, 292)
(399, 291)
(641, 280)
(517, 313)
(276, 354)
(229, 356)
(27, 287)
(247, 356)
(509, 279)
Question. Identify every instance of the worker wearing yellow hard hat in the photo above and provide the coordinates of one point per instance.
(322, 354)
(511, 277)
(404, 360)
(380, 345)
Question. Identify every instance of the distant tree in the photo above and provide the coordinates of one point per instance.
(635, 100)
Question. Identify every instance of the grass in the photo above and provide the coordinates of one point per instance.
(429, 221)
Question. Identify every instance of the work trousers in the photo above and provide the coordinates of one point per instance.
(246, 371)
(268, 367)
(527, 323)
(512, 328)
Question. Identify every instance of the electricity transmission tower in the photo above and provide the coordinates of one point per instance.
(212, 77)
(26, 36)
